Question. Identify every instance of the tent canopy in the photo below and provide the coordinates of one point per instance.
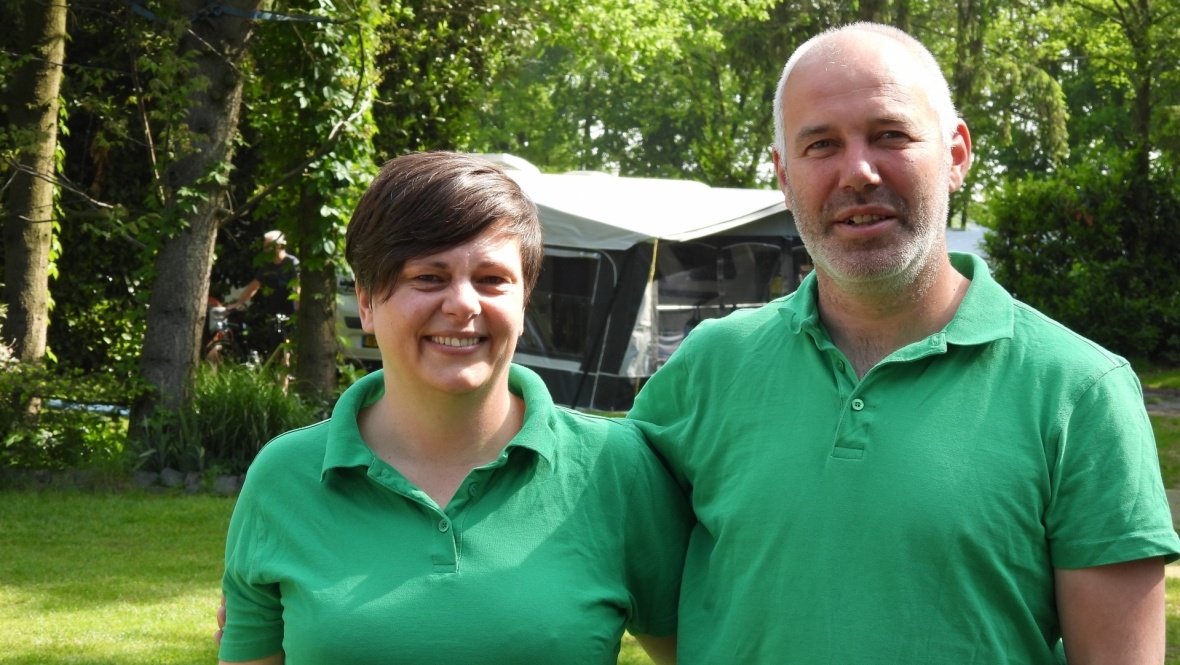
(585, 210)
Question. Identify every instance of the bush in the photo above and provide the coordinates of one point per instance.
(1095, 250)
(43, 425)
(234, 410)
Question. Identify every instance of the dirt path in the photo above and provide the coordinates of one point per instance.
(1162, 401)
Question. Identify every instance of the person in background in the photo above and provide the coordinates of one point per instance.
(448, 511)
(276, 285)
(900, 463)
(277, 280)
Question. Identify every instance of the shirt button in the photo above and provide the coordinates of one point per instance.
(473, 490)
(444, 526)
(840, 366)
(857, 404)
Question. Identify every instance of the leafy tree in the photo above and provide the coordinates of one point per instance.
(199, 110)
(31, 109)
(308, 112)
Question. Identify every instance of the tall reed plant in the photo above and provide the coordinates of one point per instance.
(234, 411)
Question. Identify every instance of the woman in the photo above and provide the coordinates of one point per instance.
(448, 512)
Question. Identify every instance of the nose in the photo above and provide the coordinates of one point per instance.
(858, 171)
(462, 300)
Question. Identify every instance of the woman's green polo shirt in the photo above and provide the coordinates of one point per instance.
(542, 556)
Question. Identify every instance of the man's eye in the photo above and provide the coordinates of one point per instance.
(820, 145)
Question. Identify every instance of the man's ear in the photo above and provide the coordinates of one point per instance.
(960, 145)
(780, 174)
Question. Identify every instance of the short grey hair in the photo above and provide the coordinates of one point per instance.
(938, 89)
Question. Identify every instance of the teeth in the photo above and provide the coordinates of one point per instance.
(456, 341)
(864, 219)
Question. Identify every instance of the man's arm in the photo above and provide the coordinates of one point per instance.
(275, 659)
(662, 650)
(1113, 614)
(245, 295)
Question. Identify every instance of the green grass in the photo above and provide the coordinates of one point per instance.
(118, 579)
(1160, 378)
(105, 579)
(1173, 613)
(1167, 440)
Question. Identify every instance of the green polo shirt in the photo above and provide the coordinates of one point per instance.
(912, 516)
(542, 556)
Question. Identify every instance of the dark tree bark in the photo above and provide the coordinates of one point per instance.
(32, 110)
(315, 360)
(176, 307)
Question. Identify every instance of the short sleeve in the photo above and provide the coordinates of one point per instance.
(662, 412)
(1108, 503)
(254, 612)
(657, 524)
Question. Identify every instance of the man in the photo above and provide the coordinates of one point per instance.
(277, 284)
(903, 464)
(277, 278)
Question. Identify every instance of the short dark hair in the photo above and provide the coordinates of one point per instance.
(426, 202)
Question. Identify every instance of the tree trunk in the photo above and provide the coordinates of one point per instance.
(176, 307)
(315, 360)
(28, 229)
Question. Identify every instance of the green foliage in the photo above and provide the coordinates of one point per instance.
(233, 411)
(668, 89)
(45, 425)
(1095, 249)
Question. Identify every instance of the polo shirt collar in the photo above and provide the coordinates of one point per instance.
(536, 432)
(346, 449)
(986, 313)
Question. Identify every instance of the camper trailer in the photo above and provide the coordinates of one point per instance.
(631, 266)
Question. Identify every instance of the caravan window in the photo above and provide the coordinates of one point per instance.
(558, 315)
(700, 281)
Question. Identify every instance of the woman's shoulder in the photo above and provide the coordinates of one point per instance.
(603, 436)
(292, 451)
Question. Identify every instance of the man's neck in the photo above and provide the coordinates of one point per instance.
(868, 327)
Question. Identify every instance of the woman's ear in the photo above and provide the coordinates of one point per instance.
(364, 304)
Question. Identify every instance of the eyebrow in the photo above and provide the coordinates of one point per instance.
(812, 131)
(443, 265)
(805, 133)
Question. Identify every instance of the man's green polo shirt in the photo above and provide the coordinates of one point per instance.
(912, 516)
(541, 557)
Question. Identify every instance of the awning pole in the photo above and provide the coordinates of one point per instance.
(655, 315)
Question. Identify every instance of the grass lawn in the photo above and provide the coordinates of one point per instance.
(1167, 440)
(1173, 612)
(117, 579)
(108, 579)
(1160, 378)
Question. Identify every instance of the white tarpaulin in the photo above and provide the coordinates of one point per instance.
(602, 211)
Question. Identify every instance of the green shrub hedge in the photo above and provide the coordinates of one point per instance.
(1096, 249)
